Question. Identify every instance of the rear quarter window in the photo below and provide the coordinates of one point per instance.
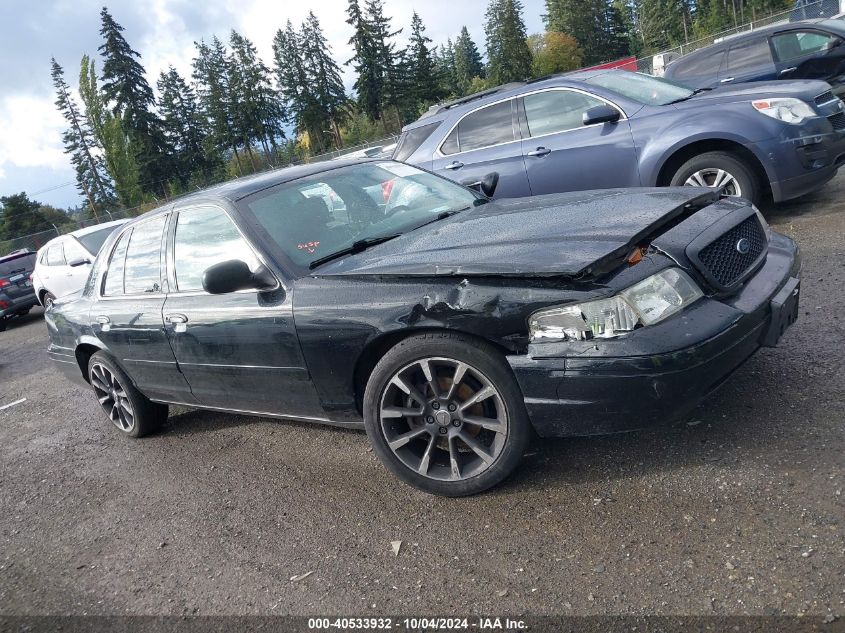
(412, 139)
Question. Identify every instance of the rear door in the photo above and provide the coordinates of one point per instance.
(482, 142)
(127, 317)
(748, 60)
(563, 154)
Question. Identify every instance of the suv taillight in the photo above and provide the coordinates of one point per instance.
(4, 283)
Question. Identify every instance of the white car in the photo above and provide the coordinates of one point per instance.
(62, 264)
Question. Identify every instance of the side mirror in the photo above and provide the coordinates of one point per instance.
(234, 275)
(601, 114)
(79, 261)
(487, 184)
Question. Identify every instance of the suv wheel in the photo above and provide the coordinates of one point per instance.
(47, 299)
(445, 414)
(719, 169)
(128, 409)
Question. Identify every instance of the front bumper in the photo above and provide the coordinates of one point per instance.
(661, 372)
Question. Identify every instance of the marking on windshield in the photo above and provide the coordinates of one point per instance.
(311, 247)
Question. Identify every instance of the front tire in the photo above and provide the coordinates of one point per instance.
(131, 412)
(445, 414)
(719, 169)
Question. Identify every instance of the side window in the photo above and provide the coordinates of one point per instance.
(749, 54)
(73, 250)
(114, 275)
(56, 255)
(557, 110)
(699, 67)
(142, 272)
(489, 126)
(206, 236)
(800, 43)
(411, 141)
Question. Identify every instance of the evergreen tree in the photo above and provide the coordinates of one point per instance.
(109, 130)
(256, 112)
(211, 75)
(467, 61)
(507, 49)
(22, 216)
(81, 144)
(598, 27)
(662, 23)
(424, 88)
(444, 64)
(184, 128)
(294, 90)
(369, 81)
(393, 65)
(126, 90)
(323, 79)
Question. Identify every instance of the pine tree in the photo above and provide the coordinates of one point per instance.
(211, 75)
(184, 128)
(507, 49)
(126, 90)
(424, 88)
(467, 61)
(393, 64)
(81, 144)
(369, 81)
(256, 112)
(324, 82)
(289, 65)
(597, 25)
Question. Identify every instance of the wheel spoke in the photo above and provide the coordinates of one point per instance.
(721, 178)
(426, 458)
(104, 399)
(696, 180)
(401, 440)
(453, 459)
(429, 377)
(478, 397)
(476, 447)
(409, 389)
(460, 370)
(401, 412)
(491, 424)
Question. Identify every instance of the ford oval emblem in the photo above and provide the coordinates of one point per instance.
(743, 246)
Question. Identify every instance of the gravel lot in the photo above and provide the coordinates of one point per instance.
(737, 509)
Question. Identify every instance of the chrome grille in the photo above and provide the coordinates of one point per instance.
(722, 259)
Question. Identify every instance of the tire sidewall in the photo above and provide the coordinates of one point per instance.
(719, 160)
(482, 357)
(146, 417)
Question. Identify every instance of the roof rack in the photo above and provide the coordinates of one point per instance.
(442, 107)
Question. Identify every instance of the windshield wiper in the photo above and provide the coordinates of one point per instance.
(697, 91)
(355, 247)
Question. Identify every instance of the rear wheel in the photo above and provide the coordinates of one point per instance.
(721, 170)
(444, 413)
(131, 412)
(47, 299)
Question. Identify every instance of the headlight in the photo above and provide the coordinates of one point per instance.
(645, 303)
(787, 110)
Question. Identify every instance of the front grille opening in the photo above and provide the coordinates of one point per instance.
(723, 258)
(824, 97)
(837, 120)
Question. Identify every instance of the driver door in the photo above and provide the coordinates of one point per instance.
(238, 351)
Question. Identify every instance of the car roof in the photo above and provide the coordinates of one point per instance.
(96, 227)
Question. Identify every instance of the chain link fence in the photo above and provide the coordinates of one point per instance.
(27, 242)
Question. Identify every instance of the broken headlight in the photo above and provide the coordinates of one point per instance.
(645, 303)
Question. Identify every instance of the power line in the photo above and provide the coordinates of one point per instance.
(53, 188)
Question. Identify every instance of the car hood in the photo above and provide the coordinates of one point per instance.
(568, 234)
(806, 90)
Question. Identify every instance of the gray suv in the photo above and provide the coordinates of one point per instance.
(603, 129)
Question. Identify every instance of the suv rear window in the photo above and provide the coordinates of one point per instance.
(16, 263)
(411, 141)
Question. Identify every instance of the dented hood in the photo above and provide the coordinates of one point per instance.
(561, 234)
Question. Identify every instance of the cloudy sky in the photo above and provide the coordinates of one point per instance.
(163, 31)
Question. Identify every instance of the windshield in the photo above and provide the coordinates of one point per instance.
(94, 241)
(318, 215)
(642, 88)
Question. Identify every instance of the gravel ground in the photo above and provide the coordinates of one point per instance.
(737, 509)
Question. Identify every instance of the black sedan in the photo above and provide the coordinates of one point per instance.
(452, 327)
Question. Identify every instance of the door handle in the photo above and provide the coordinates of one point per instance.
(102, 320)
(176, 318)
(726, 80)
(540, 151)
(455, 164)
(786, 71)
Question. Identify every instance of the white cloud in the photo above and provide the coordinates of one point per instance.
(30, 133)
